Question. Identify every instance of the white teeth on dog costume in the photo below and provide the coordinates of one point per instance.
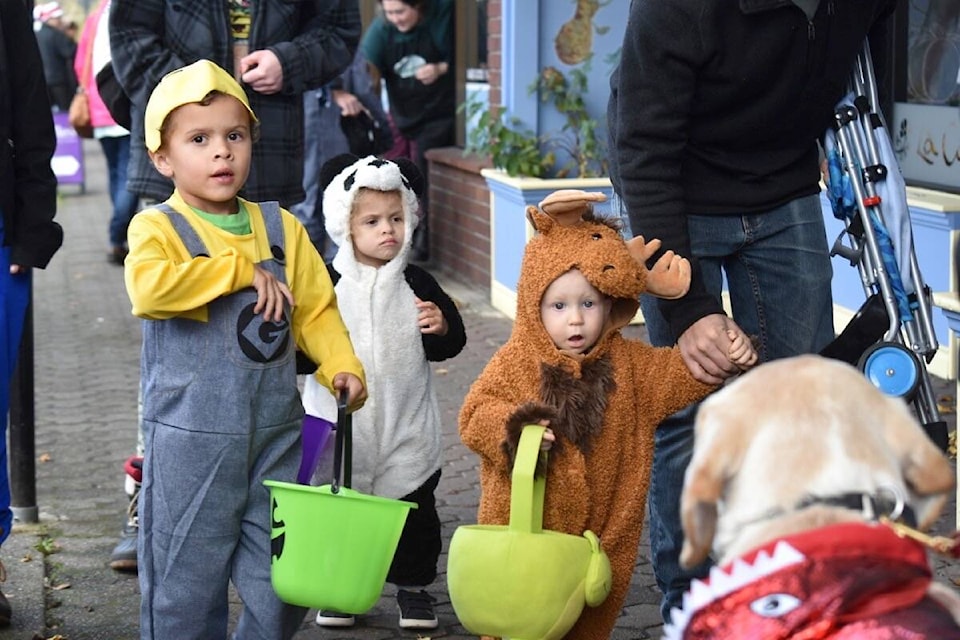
(723, 582)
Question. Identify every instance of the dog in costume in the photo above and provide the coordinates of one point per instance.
(806, 482)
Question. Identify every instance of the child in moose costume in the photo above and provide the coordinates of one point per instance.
(567, 366)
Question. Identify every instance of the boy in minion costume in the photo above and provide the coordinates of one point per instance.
(227, 289)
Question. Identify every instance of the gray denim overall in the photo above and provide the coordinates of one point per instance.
(221, 413)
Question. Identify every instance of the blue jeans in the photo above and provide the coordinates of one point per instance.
(14, 296)
(322, 140)
(125, 203)
(778, 273)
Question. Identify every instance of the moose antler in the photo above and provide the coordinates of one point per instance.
(670, 276)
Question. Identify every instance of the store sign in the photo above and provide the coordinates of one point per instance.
(927, 143)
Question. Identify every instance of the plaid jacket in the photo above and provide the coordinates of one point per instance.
(313, 39)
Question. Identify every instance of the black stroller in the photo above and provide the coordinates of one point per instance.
(891, 338)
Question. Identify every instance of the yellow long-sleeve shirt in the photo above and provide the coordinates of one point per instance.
(164, 281)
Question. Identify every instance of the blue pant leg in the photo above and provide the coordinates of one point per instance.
(307, 210)
(14, 294)
(780, 281)
(125, 204)
(673, 448)
(778, 273)
(265, 616)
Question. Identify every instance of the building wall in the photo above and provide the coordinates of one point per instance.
(460, 216)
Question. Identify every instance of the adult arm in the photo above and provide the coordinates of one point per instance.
(140, 55)
(661, 50)
(33, 236)
(441, 31)
(374, 44)
(323, 49)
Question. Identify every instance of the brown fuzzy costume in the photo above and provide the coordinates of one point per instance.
(603, 406)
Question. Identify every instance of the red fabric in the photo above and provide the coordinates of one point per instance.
(134, 467)
(854, 581)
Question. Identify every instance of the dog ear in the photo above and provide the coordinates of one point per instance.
(716, 458)
(699, 519)
(926, 470)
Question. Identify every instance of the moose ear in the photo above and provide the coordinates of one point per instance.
(540, 221)
(412, 174)
(332, 168)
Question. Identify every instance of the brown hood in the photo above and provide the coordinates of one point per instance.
(590, 245)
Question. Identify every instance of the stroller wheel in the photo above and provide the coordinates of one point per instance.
(892, 368)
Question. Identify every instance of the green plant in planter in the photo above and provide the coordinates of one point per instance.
(519, 151)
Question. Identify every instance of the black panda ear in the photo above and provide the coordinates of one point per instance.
(412, 175)
(334, 166)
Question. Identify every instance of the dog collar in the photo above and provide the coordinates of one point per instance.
(887, 502)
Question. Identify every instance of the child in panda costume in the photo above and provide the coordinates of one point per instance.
(399, 321)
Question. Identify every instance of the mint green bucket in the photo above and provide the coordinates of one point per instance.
(522, 581)
(332, 550)
(331, 547)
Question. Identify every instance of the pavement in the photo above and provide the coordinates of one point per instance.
(87, 348)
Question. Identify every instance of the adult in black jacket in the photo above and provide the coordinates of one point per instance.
(57, 50)
(28, 201)
(714, 116)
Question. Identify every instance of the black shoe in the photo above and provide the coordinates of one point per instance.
(416, 610)
(335, 619)
(117, 255)
(5, 611)
(124, 555)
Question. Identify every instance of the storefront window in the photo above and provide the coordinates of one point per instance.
(926, 116)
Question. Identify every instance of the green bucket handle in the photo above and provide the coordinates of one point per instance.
(343, 445)
(526, 492)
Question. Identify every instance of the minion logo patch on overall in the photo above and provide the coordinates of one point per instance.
(259, 340)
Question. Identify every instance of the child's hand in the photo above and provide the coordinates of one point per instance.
(271, 294)
(430, 319)
(548, 437)
(741, 350)
(354, 386)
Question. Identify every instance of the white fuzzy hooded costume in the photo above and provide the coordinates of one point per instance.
(396, 435)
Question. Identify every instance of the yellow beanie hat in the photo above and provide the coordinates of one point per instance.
(187, 85)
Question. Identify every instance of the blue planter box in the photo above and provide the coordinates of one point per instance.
(509, 229)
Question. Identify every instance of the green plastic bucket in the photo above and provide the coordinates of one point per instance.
(332, 550)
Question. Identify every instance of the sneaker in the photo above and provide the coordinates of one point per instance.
(124, 555)
(416, 610)
(335, 619)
